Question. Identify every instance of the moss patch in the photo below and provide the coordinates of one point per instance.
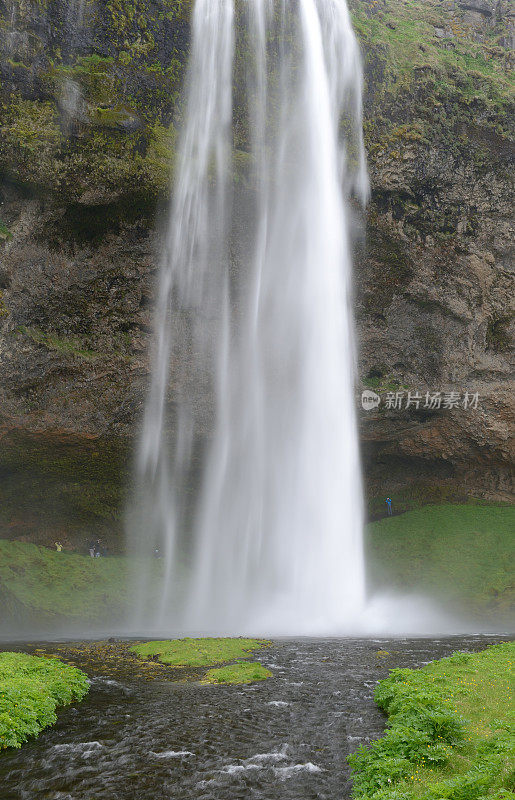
(62, 344)
(241, 672)
(410, 34)
(463, 553)
(498, 337)
(5, 233)
(31, 689)
(451, 732)
(198, 652)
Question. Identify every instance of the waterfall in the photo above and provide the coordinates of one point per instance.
(71, 100)
(254, 308)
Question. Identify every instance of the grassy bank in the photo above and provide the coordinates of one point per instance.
(31, 688)
(417, 495)
(460, 553)
(43, 583)
(451, 732)
(206, 652)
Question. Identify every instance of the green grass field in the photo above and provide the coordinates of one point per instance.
(44, 582)
(31, 688)
(451, 732)
(463, 554)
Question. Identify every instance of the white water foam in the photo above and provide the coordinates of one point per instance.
(287, 772)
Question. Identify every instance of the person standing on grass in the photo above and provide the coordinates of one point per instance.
(97, 549)
(91, 548)
(58, 546)
(389, 506)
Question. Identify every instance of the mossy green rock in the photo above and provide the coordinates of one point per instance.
(240, 673)
(198, 652)
(204, 652)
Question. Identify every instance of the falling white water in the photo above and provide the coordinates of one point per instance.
(71, 100)
(274, 540)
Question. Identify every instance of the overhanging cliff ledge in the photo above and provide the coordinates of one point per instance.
(88, 113)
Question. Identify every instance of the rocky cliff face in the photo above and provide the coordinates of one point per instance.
(435, 302)
(89, 103)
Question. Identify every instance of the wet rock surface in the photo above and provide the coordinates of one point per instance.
(87, 141)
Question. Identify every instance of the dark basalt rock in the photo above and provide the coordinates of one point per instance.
(86, 146)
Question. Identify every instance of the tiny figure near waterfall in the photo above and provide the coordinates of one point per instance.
(389, 506)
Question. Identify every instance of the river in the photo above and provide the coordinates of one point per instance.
(287, 738)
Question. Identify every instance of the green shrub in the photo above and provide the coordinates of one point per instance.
(31, 688)
(450, 735)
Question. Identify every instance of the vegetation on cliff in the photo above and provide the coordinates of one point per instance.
(5, 233)
(425, 43)
(31, 689)
(98, 123)
(450, 732)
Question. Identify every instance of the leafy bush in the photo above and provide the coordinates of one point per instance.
(432, 750)
(421, 730)
(31, 688)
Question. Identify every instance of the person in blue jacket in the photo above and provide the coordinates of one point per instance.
(389, 506)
